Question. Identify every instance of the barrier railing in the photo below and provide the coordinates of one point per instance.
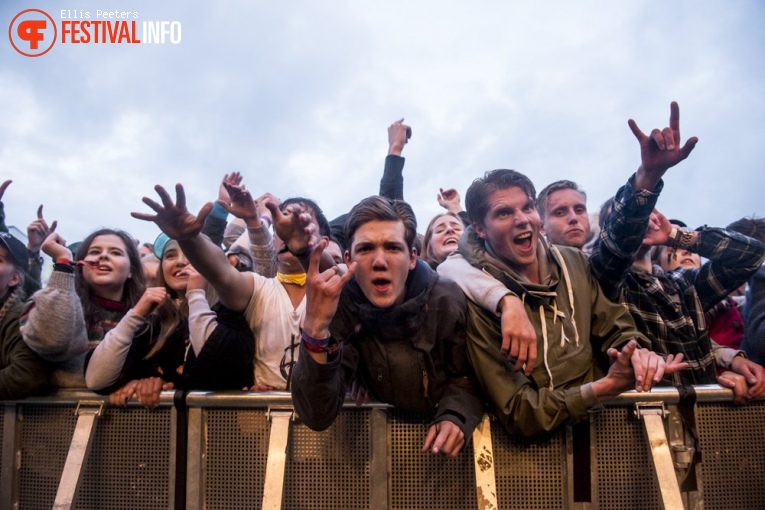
(665, 449)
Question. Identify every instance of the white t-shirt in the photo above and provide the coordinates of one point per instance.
(276, 326)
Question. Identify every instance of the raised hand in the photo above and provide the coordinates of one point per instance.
(5, 185)
(54, 246)
(658, 230)
(296, 226)
(240, 203)
(38, 230)
(233, 179)
(173, 218)
(661, 150)
(152, 298)
(260, 202)
(322, 293)
(196, 280)
(398, 135)
(449, 199)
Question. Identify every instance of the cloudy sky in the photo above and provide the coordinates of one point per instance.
(298, 95)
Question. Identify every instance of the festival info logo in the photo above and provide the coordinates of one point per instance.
(32, 32)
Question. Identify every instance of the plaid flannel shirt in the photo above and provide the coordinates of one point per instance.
(669, 307)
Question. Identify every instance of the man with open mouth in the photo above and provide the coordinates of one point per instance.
(389, 324)
(541, 299)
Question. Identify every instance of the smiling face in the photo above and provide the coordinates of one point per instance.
(511, 228)
(443, 236)
(384, 261)
(566, 221)
(108, 266)
(175, 268)
(684, 259)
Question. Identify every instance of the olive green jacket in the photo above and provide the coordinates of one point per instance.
(575, 325)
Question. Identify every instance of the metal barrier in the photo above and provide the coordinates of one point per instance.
(247, 450)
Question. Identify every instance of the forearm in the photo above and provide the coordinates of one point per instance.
(215, 224)
(724, 355)
(461, 404)
(108, 359)
(318, 390)
(392, 182)
(234, 288)
(733, 259)
(53, 325)
(202, 320)
(478, 286)
(622, 236)
(262, 249)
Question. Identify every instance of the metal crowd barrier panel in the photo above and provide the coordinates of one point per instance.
(232, 450)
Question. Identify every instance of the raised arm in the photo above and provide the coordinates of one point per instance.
(392, 182)
(319, 377)
(37, 232)
(215, 222)
(625, 225)
(234, 288)
(256, 235)
(733, 258)
(53, 323)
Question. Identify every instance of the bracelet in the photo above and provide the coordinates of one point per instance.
(63, 265)
(313, 344)
(266, 218)
(319, 346)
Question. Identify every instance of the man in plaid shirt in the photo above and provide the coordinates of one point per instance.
(669, 307)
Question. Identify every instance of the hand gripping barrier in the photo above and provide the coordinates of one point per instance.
(686, 448)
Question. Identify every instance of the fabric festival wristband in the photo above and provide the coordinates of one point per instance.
(314, 345)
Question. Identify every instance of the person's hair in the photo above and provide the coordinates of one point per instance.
(552, 188)
(752, 227)
(377, 208)
(477, 197)
(324, 230)
(171, 314)
(605, 209)
(133, 287)
(427, 253)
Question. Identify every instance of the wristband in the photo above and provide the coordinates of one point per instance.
(267, 219)
(318, 346)
(63, 265)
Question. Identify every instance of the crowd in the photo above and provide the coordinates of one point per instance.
(516, 305)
